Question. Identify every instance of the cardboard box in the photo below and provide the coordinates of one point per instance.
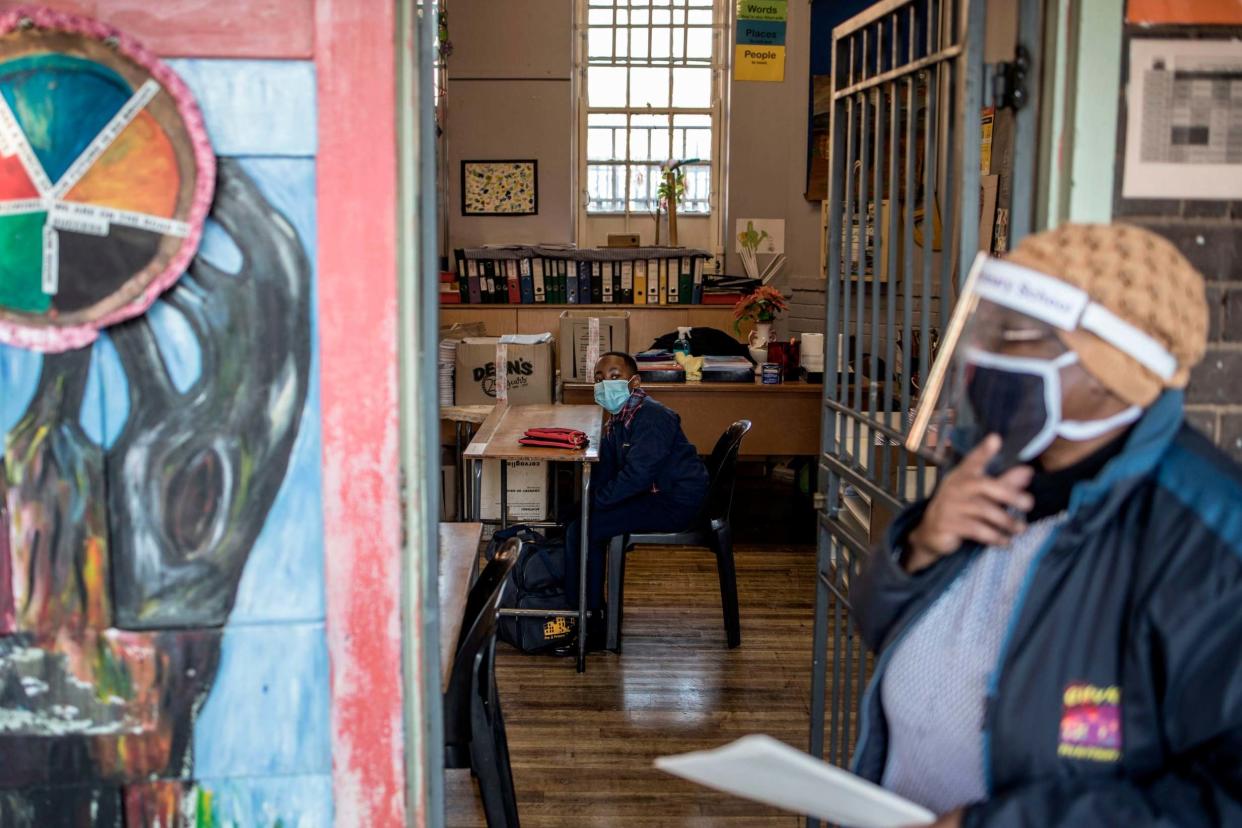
(526, 374)
(582, 340)
(528, 490)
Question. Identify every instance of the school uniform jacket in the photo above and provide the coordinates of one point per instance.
(1130, 617)
(650, 449)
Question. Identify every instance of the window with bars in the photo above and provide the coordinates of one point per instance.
(649, 97)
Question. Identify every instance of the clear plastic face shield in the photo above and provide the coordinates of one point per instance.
(1002, 366)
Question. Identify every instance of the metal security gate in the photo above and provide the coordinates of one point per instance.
(903, 227)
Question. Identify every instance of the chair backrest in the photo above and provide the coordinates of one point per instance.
(478, 634)
(722, 472)
(485, 586)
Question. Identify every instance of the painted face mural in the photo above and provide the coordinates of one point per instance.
(119, 565)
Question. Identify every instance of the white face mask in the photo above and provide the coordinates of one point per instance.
(1020, 399)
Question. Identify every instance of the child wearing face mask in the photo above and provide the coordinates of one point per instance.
(649, 477)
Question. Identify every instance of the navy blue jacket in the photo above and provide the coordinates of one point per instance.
(651, 451)
(1130, 614)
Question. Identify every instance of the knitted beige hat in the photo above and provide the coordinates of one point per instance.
(1142, 279)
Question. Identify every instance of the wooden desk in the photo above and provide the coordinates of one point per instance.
(786, 417)
(459, 548)
(497, 439)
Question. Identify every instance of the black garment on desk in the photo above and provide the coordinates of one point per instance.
(704, 342)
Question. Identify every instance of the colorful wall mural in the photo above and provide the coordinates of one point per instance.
(163, 658)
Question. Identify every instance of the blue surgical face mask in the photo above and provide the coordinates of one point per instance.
(612, 394)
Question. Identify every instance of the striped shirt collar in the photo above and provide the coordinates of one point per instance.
(626, 415)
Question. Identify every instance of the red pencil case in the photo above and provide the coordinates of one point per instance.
(562, 438)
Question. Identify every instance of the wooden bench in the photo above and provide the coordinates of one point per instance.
(459, 549)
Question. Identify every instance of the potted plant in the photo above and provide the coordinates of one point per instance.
(669, 192)
(762, 307)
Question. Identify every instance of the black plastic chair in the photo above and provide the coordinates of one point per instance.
(711, 528)
(474, 729)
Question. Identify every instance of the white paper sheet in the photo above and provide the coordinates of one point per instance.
(526, 339)
(765, 770)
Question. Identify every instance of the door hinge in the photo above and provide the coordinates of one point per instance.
(1009, 84)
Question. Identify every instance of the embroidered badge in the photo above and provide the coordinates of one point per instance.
(556, 627)
(1091, 723)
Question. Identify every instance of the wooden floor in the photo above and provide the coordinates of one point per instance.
(582, 745)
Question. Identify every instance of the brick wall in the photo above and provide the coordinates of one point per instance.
(1209, 234)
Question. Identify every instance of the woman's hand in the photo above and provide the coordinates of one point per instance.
(971, 506)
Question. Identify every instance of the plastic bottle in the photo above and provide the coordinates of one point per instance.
(682, 345)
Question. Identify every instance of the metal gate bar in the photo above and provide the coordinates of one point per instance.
(907, 77)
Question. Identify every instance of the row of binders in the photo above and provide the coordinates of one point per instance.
(535, 280)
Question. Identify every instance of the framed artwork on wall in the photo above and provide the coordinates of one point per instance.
(499, 188)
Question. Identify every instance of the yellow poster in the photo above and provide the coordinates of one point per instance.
(759, 63)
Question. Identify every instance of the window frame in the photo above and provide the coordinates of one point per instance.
(715, 111)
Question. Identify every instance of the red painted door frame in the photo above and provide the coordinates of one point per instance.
(356, 61)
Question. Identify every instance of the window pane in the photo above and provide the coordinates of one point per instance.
(661, 17)
(599, 44)
(639, 143)
(623, 42)
(679, 16)
(606, 185)
(697, 198)
(640, 17)
(648, 87)
(602, 134)
(600, 17)
(701, 17)
(693, 136)
(692, 87)
(644, 181)
(638, 43)
(605, 86)
(623, 17)
(679, 43)
(699, 46)
(659, 44)
(654, 141)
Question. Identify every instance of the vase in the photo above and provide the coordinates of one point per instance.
(761, 335)
(758, 341)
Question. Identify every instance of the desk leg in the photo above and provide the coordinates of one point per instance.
(461, 471)
(504, 494)
(476, 507)
(584, 549)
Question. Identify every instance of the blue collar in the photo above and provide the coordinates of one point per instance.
(1147, 443)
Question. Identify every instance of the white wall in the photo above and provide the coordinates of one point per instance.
(509, 97)
(767, 155)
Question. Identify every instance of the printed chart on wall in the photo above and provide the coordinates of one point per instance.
(759, 54)
(1184, 135)
(106, 175)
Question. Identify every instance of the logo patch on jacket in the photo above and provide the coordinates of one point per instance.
(1091, 723)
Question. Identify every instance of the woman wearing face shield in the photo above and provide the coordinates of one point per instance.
(1058, 627)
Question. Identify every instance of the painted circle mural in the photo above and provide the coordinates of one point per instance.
(106, 175)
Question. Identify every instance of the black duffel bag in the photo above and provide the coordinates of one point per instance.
(536, 582)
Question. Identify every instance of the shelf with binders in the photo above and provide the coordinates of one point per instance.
(631, 277)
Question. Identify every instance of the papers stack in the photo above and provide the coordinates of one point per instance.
(446, 360)
(765, 770)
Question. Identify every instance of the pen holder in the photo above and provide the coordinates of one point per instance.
(786, 355)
